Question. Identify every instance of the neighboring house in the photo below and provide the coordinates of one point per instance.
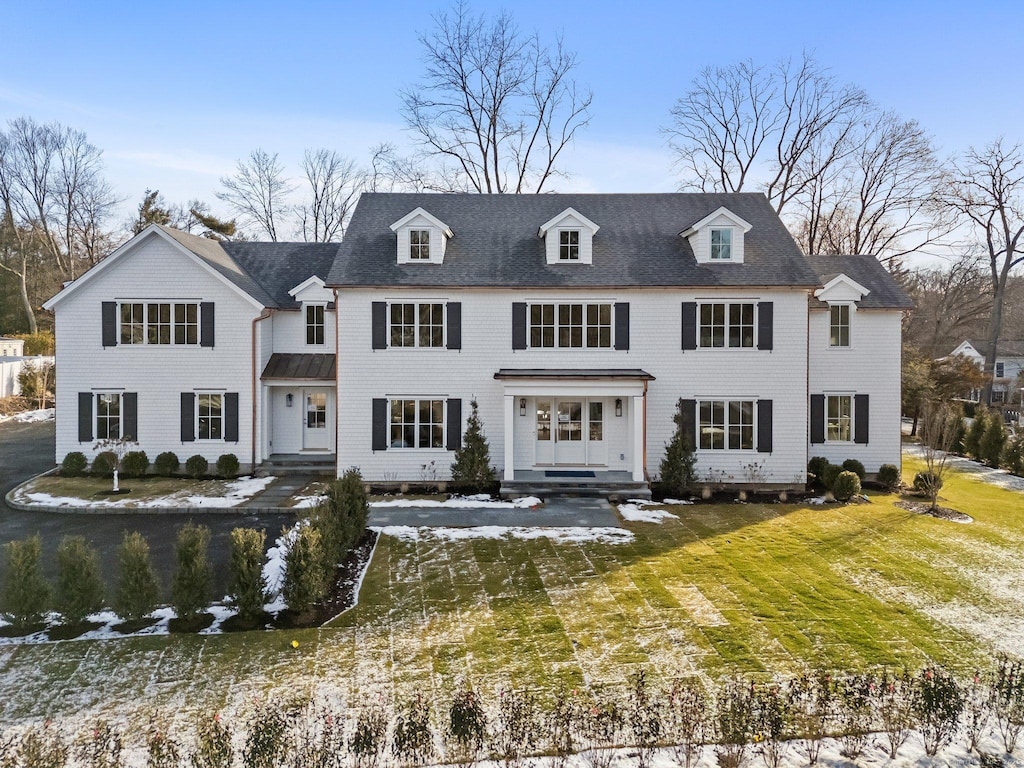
(11, 347)
(1005, 374)
(11, 368)
(577, 322)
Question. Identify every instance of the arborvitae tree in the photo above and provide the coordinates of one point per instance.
(341, 517)
(472, 465)
(676, 468)
(25, 594)
(248, 587)
(972, 440)
(190, 589)
(990, 450)
(79, 585)
(305, 575)
(137, 589)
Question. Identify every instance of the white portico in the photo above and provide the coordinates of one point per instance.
(564, 420)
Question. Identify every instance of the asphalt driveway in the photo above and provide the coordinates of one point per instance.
(28, 449)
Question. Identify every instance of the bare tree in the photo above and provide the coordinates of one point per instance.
(879, 198)
(986, 187)
(496, 108)
(938, 431)
(776, 129)
(950, 305)
(393, 172)
(258, 192)
(334, 186)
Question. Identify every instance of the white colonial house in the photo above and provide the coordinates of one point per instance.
(1007, 369)
(578, 323)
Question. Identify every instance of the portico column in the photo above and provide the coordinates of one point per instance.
(638, 438)
(510, 438)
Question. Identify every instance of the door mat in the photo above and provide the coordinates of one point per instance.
(568, 473)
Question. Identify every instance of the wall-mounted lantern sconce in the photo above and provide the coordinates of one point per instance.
(522, 406)
(618, 406)
(288, 400)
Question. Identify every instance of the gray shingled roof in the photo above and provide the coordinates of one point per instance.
(301, 365)
(1004, 347)
(869, 272)
(496, 244)
(279, 267)
(213, 254)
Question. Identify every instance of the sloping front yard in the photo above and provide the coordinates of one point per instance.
(751, 589)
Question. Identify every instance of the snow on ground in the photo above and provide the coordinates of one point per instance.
(30, 417)
(635, 513)
(236, 492)
(476, 501)
(273, 568)
(975, 469)
(560, 535)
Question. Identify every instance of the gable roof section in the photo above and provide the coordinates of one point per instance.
(497, 245)
(558, 219)
(426, 215)
(213, 254)
(723, 211)
(1004, 347)
(885, 292)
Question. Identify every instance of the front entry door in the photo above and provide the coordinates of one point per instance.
(315, 434)
(570, 447)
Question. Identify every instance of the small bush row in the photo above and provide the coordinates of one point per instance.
(844, 480)
(780, 722)
(136, 464)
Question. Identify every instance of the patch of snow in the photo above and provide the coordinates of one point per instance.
(30, 417)
(677, 502)
(476, 501)
(817, 500)
(568, 534)
(236, 492)
(635, 514)
(307, 502)
(273, 568)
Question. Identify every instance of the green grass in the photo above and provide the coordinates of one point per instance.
(727, 589)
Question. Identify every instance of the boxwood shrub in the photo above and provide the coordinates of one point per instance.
(196, 466)
(227, 465)
(846, 485)
(829, 474)
(74, 464)
(889, 476)
(134, 464)
(852, 465)
(816, 466)
(166, 464)
(103, 464)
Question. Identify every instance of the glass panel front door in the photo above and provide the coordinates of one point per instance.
(315, 433)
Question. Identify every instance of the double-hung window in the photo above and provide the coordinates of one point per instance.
(1000, 370)
(186, 323)
(417, 424)
(570, 326)
(417, 325)
(726, 424)
(569, 245)
(721, 244)
(839, 418)
(108, 416)
(419, 244)
(839, 325)
(159, 322)
(315, 324)
(210, 415)
(133, 323)
(726, 325)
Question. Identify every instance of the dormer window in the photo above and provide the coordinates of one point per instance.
(419, 244)
(315, 324)
(839, 325)
(569, 245)
(721, 244)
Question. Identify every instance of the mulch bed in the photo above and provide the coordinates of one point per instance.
(942, 513)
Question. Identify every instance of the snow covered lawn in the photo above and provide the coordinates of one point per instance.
(29, 417)
(148, 492)
(751, 589)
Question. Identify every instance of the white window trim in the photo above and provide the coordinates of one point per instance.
(416, 323)
(728, 303)
(849, 325)
(578, 245)
(443, 399)
(96, 412)
(725, 445)
(306, 324)
(711, 245)
(417, 248)
(145, 322)
(585, 304)
(853, 417)
(223, 417)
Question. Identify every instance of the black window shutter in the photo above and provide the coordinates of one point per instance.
(689, 325)
(622, 325)
(454, 321)
(765, 313)
(109, 324)
(380, 424)
(519, 325)
(85, 417)
(206, 324)
(231, 417)
(379, 318)
(188, 417)
(130, 406)
(764, 426)
(454, 439)
(860, 418)
(689, 425)
(817, 419)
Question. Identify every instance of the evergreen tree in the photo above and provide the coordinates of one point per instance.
(305, 575)
(472, 465)
(213, 228)
(341, 516)
(190, 589)
(990, 450)
(79, 586)
(137, 589)
(248, 587)
(25, 595)
(152, 210)
(972, 440)
(676, 470)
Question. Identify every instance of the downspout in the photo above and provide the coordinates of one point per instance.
(646, 473)
(267, 312)
(807, 385)
(337, 365)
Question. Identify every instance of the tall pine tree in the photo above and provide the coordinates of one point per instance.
(472, 466)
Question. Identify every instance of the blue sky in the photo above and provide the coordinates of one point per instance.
(175, 93)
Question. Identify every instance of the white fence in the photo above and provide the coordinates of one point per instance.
(10, 367)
